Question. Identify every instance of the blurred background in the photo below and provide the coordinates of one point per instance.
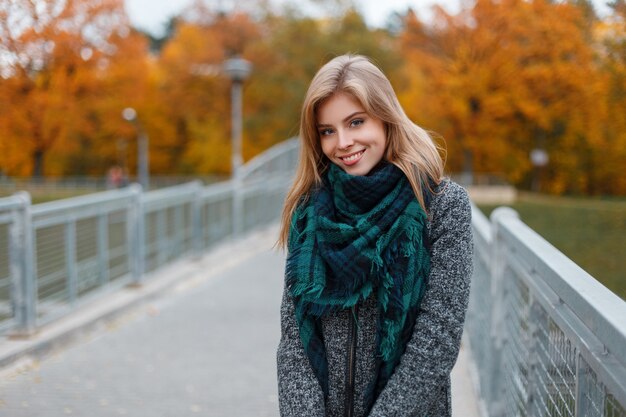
(530, 93)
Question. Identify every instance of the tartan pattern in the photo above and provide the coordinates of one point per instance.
(356, 236)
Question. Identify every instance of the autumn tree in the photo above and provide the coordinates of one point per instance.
(507, 77)
(197, 93)
(53, 53)
(496, 81)
(122, 79)
(610, 37)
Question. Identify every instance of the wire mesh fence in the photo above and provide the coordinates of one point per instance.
(59, 255)
(9, 216)
(552, 340)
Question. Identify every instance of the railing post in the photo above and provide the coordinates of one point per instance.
(496, 398)
(70, 260)
(136, 235)
(22, 254)
(161, 244)
(103, 249)
(197, 227)
(589, 399)
(238, 215)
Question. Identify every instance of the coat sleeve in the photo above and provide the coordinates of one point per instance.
(421, 377)
(299, 392)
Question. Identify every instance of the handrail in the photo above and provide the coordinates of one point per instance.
(601, 310)
(548, 339)
(278, 151)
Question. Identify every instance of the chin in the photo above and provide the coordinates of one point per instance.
(358, 171)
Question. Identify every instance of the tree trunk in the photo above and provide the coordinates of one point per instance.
(38, 155)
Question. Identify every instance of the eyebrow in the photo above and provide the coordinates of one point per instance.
(350, 116)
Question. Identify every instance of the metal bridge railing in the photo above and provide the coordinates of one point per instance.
(547, 339)
(56, 256)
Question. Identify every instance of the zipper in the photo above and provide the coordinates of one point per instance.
(352, 336)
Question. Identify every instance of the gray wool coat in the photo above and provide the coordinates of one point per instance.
(420, 385)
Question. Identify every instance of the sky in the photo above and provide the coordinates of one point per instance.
(151, 15)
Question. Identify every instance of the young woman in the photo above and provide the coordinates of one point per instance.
(379, 257)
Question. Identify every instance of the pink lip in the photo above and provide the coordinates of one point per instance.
(352, 162)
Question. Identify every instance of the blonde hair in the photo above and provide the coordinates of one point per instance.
(408, 146)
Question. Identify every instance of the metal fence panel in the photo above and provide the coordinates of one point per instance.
(59, 255)
(80, 250)
(169, 231)
(561, 342)
(263, 204)
(216, 207)
(6, 307)
(479, 313)
(516, 354)
(9, 209)
(117, 263)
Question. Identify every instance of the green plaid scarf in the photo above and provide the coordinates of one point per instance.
(354, 236)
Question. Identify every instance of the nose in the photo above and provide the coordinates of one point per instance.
(344, 140)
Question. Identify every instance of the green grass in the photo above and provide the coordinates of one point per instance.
(592, 232)
(45, 196)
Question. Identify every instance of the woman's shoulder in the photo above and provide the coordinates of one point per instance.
(449, 199)
(447, 193)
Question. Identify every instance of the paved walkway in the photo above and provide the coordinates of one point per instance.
(205, 346)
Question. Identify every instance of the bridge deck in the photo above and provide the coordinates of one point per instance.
(204, 346)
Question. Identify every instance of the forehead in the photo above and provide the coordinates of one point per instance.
(336, 107)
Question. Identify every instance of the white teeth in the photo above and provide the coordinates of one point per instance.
(353, 157)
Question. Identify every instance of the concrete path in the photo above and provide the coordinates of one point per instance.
(205, 346)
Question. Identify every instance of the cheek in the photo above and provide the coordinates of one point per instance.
(327, 147)
(382, 135)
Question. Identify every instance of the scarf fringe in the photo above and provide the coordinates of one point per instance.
(391, 332)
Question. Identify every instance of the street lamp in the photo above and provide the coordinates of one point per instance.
(143, 171)
(237, 69)
(539, 158)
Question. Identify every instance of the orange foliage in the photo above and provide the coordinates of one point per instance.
(496, 81)
(504, 78)
(610, 36)
(190, 81)
(58, 54)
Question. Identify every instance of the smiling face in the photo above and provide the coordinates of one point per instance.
(350, 138)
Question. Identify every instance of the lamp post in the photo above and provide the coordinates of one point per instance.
(539, 158)
(143, 171)
(122, 147)
(237, 69)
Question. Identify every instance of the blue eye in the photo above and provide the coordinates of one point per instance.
(356, 122)
(326, 132)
